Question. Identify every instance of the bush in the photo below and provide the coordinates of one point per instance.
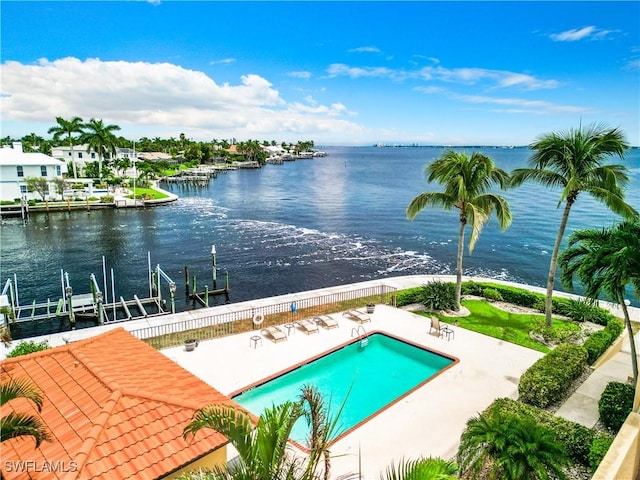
(472, 288)
(407, 297)
(27, 347)
(492, 294)
(106, 199)
(615, 404)
(576, 438)
(547, 380)
(438, 296)
(565, 332)
(599, 341)
(598, 450)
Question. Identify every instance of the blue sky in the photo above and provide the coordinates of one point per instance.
(338, 73)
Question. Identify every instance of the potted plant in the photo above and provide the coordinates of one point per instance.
(190, 344)
(370, 307)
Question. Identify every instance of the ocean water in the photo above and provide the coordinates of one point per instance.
(302, 225)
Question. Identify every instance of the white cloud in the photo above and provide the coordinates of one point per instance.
(364, 50)
(468, 76)
(301, 74)
(575, 34)
(521, 105)
(157, 97)
(223, 61)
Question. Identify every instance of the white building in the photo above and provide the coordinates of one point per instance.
(16, 166)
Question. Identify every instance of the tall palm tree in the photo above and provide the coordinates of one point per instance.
(67, 128)
(263, 448)
(606, 261)
(17, 424)
(574, 162)
(101, 139)
(510, 448)
(467, 181)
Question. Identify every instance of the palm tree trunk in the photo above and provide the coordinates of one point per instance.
(632, 342)
(73, 162)
(463, 224)
(100, 167)
(548, 304)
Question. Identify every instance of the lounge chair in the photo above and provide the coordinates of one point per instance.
(357, 316)
(274, 333)
(308, 326)
(326, 321)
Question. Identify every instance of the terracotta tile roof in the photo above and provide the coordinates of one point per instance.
(115, 408)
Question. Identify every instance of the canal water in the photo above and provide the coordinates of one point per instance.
(298, 226)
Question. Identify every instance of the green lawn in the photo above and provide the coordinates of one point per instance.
(497, 323)
(150, 193)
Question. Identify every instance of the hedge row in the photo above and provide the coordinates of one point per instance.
(574, 309)
(585, 446)
(599, 341)
(547, 380)
(615, 404)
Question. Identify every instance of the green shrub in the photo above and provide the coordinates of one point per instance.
(615, 404)
(407, 297)
(438, 295)
(27, 347)
(106, 199)
(472, 288)
(492, 294)
(546, 381)
(578, 310)
(598, 342)
(598, 450)
(576, 438)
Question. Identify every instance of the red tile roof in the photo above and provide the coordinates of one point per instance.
(115, 408)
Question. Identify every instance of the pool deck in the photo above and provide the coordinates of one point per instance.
(427, 422)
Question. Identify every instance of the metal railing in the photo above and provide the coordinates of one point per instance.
(241, 320)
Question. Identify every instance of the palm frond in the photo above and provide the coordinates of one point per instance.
(20, 424)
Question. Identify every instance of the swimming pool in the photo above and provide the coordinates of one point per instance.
(379, 374)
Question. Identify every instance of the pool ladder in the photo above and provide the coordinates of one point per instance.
(361, 333)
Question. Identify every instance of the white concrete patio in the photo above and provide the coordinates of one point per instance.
(428, 422)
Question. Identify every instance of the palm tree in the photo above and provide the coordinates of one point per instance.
(101, 139)
(20, 424)
(606, 261)
(67, 128)
(263, 448)
(466, 180)
(422, 469)
(574, 161)
(510, 448)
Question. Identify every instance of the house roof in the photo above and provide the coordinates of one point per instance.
(14, 156)
(115, 408)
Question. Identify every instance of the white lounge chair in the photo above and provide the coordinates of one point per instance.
(357, 316)
(308, 326)
(326, 321)
(274, 333)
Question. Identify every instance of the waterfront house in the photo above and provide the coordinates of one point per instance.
(115, 408)
(16, 166)
(81, 154)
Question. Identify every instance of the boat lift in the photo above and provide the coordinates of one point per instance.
(94, 305)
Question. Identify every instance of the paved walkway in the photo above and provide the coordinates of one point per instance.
(582, 406)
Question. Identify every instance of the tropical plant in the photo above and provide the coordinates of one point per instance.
(67, 128)
(16, 424)
(26, 347)
(467, 181)
(438, 296)
(39, 185)
(263, 448)
(100, 139)
(510, 447)
(574, 162)
(421, 469)
(606, 262)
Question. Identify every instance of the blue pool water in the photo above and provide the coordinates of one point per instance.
(377, 374)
